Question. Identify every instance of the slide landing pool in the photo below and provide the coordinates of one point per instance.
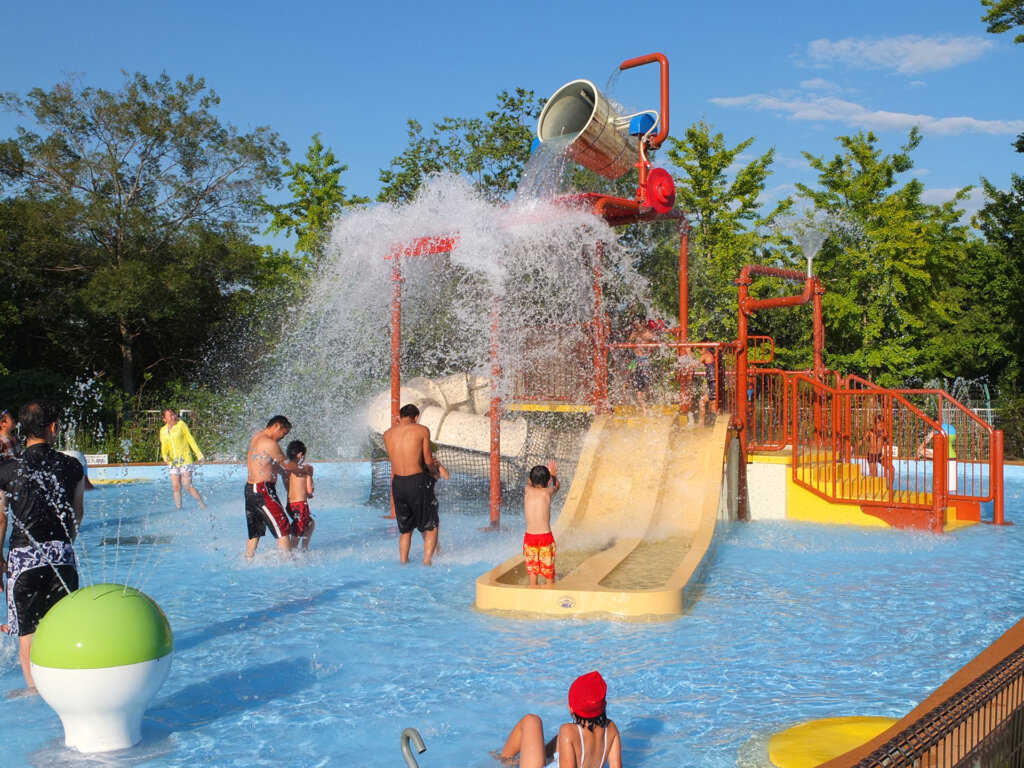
(636, 528)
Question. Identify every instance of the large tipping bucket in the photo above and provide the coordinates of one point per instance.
(578, 109)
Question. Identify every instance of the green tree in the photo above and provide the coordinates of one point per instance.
(1002, 16)
(894, 277)
(491, 150)
(317, 197)
(150, 174)
(998, 291)
(722, 204)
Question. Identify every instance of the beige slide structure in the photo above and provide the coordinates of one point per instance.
(637, 528)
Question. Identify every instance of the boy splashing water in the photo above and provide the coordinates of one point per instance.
(538, 542)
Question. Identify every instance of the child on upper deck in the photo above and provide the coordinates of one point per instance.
(538, 542)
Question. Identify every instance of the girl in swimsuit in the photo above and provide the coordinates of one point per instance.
(591, 740)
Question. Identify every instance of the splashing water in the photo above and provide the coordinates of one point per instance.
(811, 228)
(529, 263)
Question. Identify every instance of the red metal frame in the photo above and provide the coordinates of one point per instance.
(747, 307)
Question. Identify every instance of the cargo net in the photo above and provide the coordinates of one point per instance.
(550, 437)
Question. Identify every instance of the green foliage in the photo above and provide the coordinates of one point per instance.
(1004, 15)
(149, 186)
(722, 204)
(491, 150)
(1001, 268)
(318, 196)
(893, 280)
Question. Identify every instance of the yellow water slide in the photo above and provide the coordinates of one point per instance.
(636, 529)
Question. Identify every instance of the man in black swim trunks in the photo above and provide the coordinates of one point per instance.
(414, 471)
(44, 492)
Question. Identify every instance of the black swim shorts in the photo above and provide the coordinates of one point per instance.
(415, 502)
(263, 509)
(36, 591)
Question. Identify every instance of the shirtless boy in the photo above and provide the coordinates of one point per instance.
(877, 440)
(414, 470)
(300, 490)
(262, 507)
(538, 542)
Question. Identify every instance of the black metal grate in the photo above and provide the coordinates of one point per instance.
(980, 726)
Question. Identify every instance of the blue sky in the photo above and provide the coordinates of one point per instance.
(794, 74)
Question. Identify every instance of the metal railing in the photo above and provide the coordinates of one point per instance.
(975, 448)
(979, 723)
(835, 457)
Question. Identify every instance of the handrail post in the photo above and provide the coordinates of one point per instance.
(995, 476)
(940, 488)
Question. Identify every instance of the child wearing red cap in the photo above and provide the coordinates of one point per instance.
(590, 741)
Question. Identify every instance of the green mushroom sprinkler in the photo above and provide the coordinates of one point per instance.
(98, 658)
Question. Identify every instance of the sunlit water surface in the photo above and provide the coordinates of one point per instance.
(322, 659)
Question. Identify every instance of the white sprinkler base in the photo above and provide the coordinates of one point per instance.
(101, 709)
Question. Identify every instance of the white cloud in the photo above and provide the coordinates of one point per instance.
(971, 205)
(907, 54)
(819, 84)
(832, 109)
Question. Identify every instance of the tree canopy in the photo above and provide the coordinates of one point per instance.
(152, 190)
(318, 196)
(491, 150)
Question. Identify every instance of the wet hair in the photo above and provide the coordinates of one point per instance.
(36, 418)
(590, 723)
(409, 411)
(280, 420)
(540, 476)
(295, 447)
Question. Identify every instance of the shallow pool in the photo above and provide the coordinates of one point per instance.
(322, 659)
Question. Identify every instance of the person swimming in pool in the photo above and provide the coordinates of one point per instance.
(591, 740)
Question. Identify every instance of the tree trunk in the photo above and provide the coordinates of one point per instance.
(127, 360)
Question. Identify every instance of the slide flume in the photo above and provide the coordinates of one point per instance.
(636, 528)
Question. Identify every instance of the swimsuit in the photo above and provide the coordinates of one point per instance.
(709, 378)
(583, 749)
(539, 554)
(36, 579)
(263, 508)
(640, 372)
(415, 503)
(301, 519)
(41, 565)
(875, 458)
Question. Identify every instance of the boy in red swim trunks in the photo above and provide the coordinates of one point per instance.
(538, 543)
(300, 490)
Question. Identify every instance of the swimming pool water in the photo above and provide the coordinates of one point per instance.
(322, 659)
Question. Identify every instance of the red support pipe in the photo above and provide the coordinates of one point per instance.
(600, 392)
(495, 413)
(684, 281)
(819, 332)
(658, 139)
(396, 339)
(995, 477)
(747, 307)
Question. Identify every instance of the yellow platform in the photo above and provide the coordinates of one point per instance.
(635, 528)
(812, 743)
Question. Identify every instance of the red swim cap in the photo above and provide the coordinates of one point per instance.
(586, 695)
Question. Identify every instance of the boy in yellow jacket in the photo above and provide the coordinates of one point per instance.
(176, 449)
